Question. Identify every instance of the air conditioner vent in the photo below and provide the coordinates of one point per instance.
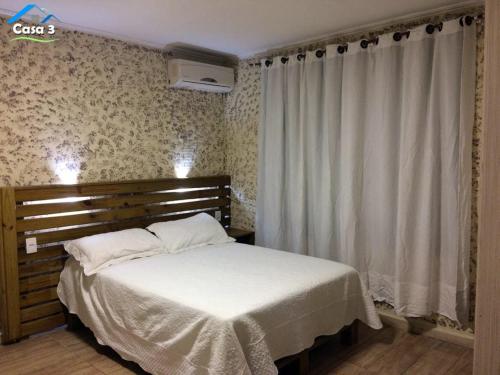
(200, 76)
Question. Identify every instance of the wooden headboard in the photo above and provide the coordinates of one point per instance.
(57, 213)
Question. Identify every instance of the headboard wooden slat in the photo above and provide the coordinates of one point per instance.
(43, 324)
(116, 214)
(42, 253)
(39, 282)
(116, 202)
(38, 296)
(40, 311)
(69, 234)
(31, 269)
(57, 213)
(33, 193)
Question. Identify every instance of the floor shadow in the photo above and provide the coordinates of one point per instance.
(321, 358)
(86, 335)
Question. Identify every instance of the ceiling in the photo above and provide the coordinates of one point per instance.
(239, 27)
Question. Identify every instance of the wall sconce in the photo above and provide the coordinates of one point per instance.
(184, 163)
(67, 171)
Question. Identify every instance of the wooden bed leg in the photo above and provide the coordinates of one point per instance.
(73, 322)
(304, 362)
(349, 336)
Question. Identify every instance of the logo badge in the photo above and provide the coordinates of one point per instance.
(37, 29)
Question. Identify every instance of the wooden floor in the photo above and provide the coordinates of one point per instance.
(387, 351)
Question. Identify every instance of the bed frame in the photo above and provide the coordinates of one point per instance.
(57, 213)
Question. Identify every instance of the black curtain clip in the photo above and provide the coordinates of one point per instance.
(365, 43)
(398, 35)
(342, 49)
(320, 53)
(467, 20)
(430, 28)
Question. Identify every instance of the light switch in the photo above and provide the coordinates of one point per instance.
(31, 246)
(218, 215)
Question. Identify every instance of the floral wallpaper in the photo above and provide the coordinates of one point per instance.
(476, 158)
(242, 119)
(87, 108)
(242, 122)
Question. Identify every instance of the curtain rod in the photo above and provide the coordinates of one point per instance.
(364, 43)
(446, 12)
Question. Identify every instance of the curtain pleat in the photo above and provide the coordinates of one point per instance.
(365, 158)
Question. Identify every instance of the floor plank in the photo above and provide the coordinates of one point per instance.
(464, 364)
(438, 361)
(387, 351)
(375, 347)
(346, 368)
(400, 357)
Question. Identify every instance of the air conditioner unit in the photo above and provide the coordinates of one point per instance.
(199, 76)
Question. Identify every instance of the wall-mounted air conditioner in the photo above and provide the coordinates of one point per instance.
(199, 76)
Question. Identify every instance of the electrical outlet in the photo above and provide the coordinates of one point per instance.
(218, 215)
(31, 246)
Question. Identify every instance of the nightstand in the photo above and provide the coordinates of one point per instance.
(242, 235)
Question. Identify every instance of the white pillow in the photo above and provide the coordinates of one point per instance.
(102, 250)
(195, 231)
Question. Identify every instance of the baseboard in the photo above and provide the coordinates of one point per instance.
(422, 327)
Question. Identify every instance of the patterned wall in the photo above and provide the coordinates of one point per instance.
(242, 122)
(242, 118)
(88, 108)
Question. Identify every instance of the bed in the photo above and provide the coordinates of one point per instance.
(225, 308)
(219, 309)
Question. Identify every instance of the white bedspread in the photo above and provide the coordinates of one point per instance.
(222, 309)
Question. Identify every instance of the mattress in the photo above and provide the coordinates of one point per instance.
(220, 309)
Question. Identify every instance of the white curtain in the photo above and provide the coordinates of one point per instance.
(365, 158)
